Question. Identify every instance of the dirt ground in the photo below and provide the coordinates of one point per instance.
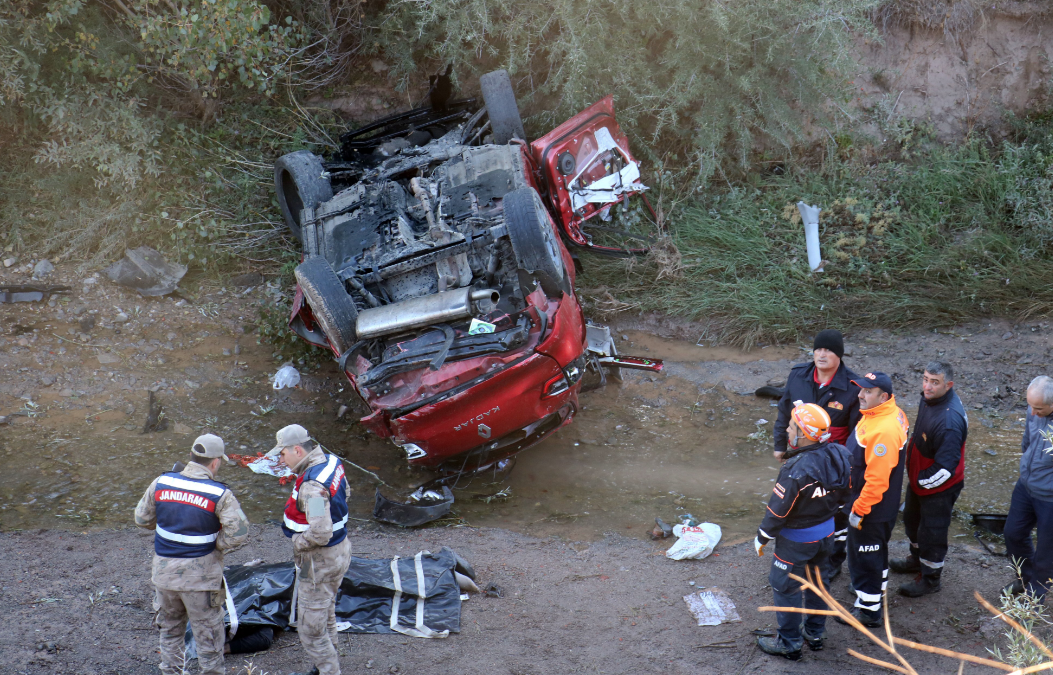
(586, 590)
(608, 606)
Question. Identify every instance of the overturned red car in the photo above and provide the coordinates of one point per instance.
(435, 269)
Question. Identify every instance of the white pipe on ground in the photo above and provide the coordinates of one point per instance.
(810, 216)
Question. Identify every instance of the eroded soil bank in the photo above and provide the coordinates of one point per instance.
(571, 536)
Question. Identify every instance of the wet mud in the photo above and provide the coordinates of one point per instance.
(76, 376)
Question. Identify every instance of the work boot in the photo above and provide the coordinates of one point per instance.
(814, 641)
(923, 584)
(312, 671)
(868, 619)
(1015, 588)
(776, 646)
(908, 565)
(833, 576)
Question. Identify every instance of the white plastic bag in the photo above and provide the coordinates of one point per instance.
(694, 543)
(287, 376)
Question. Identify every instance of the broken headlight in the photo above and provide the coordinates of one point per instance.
(570, 376)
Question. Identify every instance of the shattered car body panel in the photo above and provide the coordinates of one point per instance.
(587, 167)
(431, 239)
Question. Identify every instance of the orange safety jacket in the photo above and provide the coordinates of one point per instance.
(878, 460)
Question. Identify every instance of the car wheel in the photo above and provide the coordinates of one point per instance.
(299, 182)
(534, 240)
(501, 107)
(333, 308)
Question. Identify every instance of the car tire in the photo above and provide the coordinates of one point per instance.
(299, 182)
(534, 240)
(501, 107)
(333, 308)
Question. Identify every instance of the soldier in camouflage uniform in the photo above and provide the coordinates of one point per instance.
(315, 519)
(195, 519)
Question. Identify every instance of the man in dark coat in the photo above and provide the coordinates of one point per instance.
(827, 382)
(936, 475)
(813, 484)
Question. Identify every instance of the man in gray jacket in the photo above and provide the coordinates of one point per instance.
(1032, 505)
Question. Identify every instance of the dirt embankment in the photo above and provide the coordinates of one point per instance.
(958, 65)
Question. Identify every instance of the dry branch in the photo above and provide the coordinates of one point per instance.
(814, 583)
(878, 662)
(954, 655)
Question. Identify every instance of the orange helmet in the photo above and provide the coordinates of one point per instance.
(813, 422)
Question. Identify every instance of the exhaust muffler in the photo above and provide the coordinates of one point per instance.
(424, 311)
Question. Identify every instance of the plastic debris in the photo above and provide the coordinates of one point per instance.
(694, 542)
(412, 515)
(287, 376)
(712, 607)
(478, 327)
(146, 271)
(661, 529)
(270, 466)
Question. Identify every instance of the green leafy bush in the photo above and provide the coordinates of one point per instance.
(700, 79)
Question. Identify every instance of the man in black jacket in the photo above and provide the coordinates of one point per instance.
(936, 475)
(812, 485)
(827, 382)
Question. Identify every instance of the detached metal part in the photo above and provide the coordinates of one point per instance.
(412, 515)
(146, 271)
(29, 292)
(423, 311)
(600, 345)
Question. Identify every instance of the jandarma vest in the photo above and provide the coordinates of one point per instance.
(331, 475)
(187, 525)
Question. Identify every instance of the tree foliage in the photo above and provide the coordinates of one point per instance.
(704, 77)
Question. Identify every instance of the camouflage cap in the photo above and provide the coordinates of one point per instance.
(209, 446)
(288, 436)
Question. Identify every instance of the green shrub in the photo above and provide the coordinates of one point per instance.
(699, 79)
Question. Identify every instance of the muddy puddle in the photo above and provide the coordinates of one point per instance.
(654, 445)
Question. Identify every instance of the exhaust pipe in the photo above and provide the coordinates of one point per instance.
(424, 311)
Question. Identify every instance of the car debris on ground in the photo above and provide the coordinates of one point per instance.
(146, 271)
(427, 507)
(31, 292)
(712, 607)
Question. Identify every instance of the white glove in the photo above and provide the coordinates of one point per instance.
(855, 520)
(935, 480)
(759, 546)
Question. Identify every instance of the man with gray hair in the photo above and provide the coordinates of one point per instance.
(1032, 505)
(936, 475)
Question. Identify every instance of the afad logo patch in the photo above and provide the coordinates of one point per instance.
(836, 405)
(880, 450)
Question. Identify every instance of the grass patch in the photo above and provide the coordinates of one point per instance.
(955, 233)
